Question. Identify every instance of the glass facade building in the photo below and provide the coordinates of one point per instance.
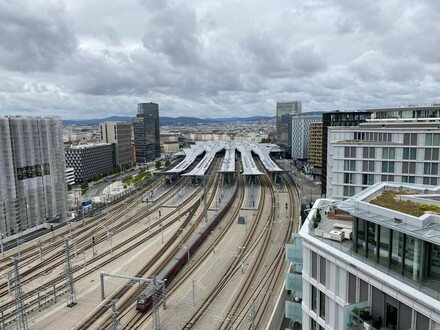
(146, 132)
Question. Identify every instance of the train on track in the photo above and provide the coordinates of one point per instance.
(145, 300)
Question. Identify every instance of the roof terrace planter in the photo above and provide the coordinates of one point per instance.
(393, 199)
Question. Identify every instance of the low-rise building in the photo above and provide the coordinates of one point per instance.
(89, 160)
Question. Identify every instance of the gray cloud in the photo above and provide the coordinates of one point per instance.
(82, 59)
(34, 40)
(172, 31)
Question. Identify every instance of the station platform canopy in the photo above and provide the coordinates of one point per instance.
(228, 164)
(211, 148)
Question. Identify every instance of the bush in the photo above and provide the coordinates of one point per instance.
(318, 216)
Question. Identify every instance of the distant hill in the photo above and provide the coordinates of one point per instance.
(168, 121)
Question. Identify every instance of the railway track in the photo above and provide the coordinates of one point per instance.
(139, 319)
(126, 296)
(234, 267)
(251, 297)
(256, 303)
(57, 260)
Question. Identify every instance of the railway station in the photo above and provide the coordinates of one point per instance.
(219, 219)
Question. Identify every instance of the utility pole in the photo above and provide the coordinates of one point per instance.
(205, 178)
(115, 321)
(71, 295)
(21, 312)
(156, 320)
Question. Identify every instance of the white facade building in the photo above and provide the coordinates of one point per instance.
(300, 134)
(379, 270)
(360, 156)
(70, 176)
(33, 183)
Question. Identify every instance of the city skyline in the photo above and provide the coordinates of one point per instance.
(77, 59)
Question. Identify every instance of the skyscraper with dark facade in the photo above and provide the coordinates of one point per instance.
(284, 113)
(147, 132)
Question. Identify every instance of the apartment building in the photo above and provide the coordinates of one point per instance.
(374, 152)
(300, 134)
(314, 154)
(383, 144)
(372, 261)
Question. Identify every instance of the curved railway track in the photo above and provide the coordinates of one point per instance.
(251, 298)
(149, 267)
(137, 320)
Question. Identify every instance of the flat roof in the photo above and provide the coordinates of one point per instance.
(425, 226)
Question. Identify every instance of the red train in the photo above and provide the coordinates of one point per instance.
(145, 300)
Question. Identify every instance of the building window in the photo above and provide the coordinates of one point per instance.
(350, 152)
(431, 154)
(348, 191)
(433, 254)
(367, 179)
(387, 178)
(368, 166)
(413, 253)
(371, 241)
(430, 168)
(430, 181)
(432, 139)
(408, 168)
(384, 246)
(409, 153)
(360, 237)
(388, 153)
(349, 178)
(391, 316)
(314, 299)
(314, 265)
(388, 167)
(350, 165)
(322, 270)
(363, 292)
(369, 152)
(396, 251)
(410, 139)
(351, 288)
(408, 179)
(322, 304)
(422, 322)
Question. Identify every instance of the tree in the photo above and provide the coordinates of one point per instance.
(84, 187)
(158, 164)
(167, 163)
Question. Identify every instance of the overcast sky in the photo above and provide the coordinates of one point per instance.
(213, 58)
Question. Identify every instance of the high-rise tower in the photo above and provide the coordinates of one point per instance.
(32, 172)
(147, 132)
(285, 110)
